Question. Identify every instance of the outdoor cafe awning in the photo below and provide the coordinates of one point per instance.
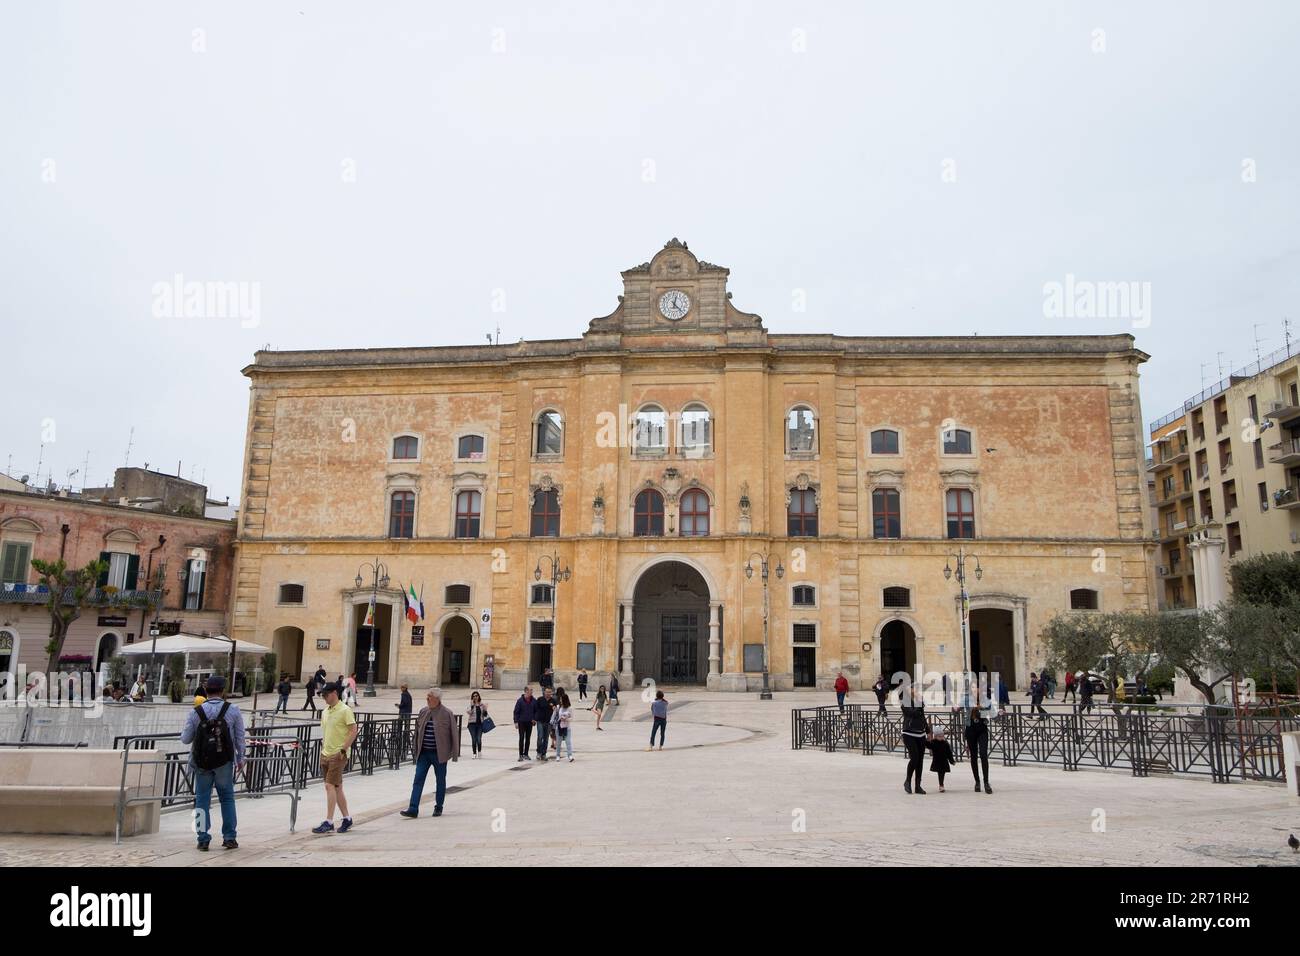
(191, 644)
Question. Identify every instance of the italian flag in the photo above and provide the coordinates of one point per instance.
(370, 613)
(411, 603)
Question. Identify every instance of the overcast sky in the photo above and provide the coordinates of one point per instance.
(375, 171)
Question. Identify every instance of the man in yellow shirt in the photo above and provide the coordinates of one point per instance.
(339, 728)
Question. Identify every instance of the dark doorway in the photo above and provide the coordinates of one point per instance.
(539, 658)
(805, 667)
(897, 649)
(456, 636)
(670, 625)
(992, 644)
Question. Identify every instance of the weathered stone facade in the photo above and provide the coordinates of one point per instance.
(1041, 435)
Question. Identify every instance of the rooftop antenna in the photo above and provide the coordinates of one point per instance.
(1204, 366)
(498, 336)
(129, 442)
(1257, 356)
(85, 470)
(39, 460)
(1220, 355)
(1286, 333)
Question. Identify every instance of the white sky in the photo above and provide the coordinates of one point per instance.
(525, 170)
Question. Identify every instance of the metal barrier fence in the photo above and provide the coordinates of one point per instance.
(283, 754)
(1141, 739)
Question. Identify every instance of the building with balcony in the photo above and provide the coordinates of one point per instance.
(1241, 494)
(657, 458)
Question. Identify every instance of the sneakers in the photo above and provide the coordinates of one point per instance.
(648, 749)
(325, 827)
(346, 825)
(437, 811)
(229, 845)
(203, 847)
(570, 758)
(409, 814)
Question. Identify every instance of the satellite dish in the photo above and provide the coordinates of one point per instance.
(25, 478)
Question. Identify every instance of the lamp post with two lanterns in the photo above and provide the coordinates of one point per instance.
(766, 693)
(557, 576)
(961, 557)
(379, 579)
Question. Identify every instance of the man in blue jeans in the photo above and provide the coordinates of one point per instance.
(543, 707)
(659, 711)
(436, 742)
(223, 776)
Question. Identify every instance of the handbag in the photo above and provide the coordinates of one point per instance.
(487, 725)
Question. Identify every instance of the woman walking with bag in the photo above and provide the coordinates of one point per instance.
(916, 731)
(564, 727)
(478, 714)
(601, 700)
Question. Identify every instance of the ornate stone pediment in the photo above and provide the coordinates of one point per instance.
(544, 483)
(885, 476)
(672, 483)
(804, 483)
(959, 476)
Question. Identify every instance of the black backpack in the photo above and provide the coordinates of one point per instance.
(212, 745)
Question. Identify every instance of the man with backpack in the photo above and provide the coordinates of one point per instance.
(215, 728)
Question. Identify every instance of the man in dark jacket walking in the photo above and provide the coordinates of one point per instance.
(1085, 693)
(1037, 688)
(284, 689)
(542, 709)
(436, 742)
(881, 687)
(523, 718)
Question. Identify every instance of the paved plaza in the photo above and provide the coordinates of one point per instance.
(726, 790)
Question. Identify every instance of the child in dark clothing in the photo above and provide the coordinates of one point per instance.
(942, 761)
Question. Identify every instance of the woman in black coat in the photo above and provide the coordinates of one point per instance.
(977, 748)
(916, 732)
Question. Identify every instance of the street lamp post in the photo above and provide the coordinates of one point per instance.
(766, 693)
(960, 557)
(557, 575)
(379, 579)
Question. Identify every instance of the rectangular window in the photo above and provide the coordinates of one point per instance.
(586, 656)
(401, 517)
(542, 594)
(1259, 453)
(753, 658)
(1263, 496)
(805, 595)
(118, 564)
(292, 593)
(805, 633)
(470, 448)
(17, 559)
(886, 516)
(541, 631)
(961, 513)
(956, 442)
(195, 572)
(1229, 497)
(1234, 538)
(884, 441)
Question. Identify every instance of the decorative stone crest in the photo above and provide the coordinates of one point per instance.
(544, 483)
(672, 483)
(745, 522)
(803, 483)
(598, 511)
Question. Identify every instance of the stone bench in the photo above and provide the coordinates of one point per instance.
(74, 791)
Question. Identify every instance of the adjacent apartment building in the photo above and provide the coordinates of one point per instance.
(608, 502)
(1225, 469)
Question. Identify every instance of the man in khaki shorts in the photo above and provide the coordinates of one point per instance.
(338, 731)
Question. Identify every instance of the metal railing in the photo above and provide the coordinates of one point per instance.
(1140, 738)
(1276, 357)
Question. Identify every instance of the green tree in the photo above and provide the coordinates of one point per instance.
(1241, 638)
(1266, 579)
(1185, 642)
(71, 590)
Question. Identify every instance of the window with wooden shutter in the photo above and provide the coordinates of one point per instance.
(17, 559)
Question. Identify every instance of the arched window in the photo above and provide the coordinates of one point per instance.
(884, 441)
(886, 518)
(406, 447)
(650, 429)
(470, 448)
(802, 513)
(648, 515)
(801, 431)
(695, 514)
(956, 442)
(469, 507)
(549, 434)
(1083, 599)
(546, 514)
(401, 515)
(961, 513)
(695, 431)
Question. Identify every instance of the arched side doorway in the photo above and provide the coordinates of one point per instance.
(992, 643)
(671, 625)
(897, 640)
(287, 642)
(457, 636)
(8, 663)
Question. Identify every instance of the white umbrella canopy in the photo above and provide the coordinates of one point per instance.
(191, 644)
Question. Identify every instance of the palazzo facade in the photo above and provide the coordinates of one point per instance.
(598, 502)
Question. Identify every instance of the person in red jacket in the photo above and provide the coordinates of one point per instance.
(1070, 686)
(841, 688)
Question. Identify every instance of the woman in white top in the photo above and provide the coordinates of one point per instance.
(564, 729)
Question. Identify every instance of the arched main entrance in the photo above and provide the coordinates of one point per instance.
(456, 637)
(897, 649)
(992, 643)
(287, 643)
(382, 640)
(670, 620)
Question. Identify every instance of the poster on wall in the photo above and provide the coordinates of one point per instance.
(322, 643)
(417, 635)
(489, 671)
(485, 625)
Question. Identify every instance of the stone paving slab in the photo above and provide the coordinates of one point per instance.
(728, 790)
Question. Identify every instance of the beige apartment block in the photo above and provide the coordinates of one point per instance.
(1225, 473)
(655, 458)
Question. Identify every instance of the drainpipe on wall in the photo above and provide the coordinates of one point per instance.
(148, 574)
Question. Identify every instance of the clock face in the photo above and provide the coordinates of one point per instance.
(674, 304)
